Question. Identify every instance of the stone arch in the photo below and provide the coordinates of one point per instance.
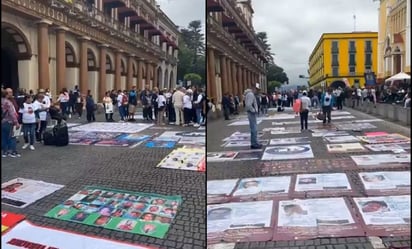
(109, 64)
(160, 77)
(338, 83)
(91, 60)
(14, 39)
(134, 68)
(70, 55)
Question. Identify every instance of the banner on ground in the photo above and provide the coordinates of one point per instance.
(288, 152)
(290, 140)
(328, 133)
(133, 212)
(242, 143)
(186, 159)
(112, 127)
(9, 220)
(312, 218)
(330, 184)
(262, 188)
(345, 148)
(25, 234)
(386, 215)
(160, 144)
(386, 182)
(390, 138)
(240, 221)
(243, 122)
(388, 147)
(242, 155)
(354, 126)
(21, 192)
(382, 160)
(219, 191)
(341, 139)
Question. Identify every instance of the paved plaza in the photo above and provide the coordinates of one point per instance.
(235, 167)
(127, 169)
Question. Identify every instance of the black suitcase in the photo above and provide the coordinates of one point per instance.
(48, 138)
(61, 135)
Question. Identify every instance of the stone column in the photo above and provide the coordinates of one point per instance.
(140, 74)
(240, 89)
(211, 74)
(407, 67)
(102, 71)
(118, 70)
(155, 76)
(244, 78)
(43, 53)
(60, 58)
(223, 70)
(129, 77)
(149, 75)
(83, 84)
(234, 79)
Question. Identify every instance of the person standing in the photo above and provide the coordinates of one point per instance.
(198, 106)
(304, 110)
(132, 103)
(28, 111)
(121, 100)
(177, 101)
(161, 104)
(327, 103)
(90, 108)
(9, 120)
(171, 116)
(43, 108)
(339, 98)
(64, 102)
(187, 107)
(252, 108)
(108, 107)
(226, 106)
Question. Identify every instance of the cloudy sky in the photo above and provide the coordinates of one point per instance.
(182, 12)
(295, 26)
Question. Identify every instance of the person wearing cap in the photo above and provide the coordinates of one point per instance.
(252, 111)
(304, 110)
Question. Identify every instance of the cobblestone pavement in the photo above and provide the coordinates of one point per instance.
(218, 130)
(76, 166)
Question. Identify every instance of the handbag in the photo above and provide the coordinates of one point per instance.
(320, 116)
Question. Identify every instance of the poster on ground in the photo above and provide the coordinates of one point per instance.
(386, 182)
(341, 139)
(311, 218)
(218, 191)
(94, 135)
(385, 215)
(287, 131)
(243, 122)
(193, 140)
(290, 140)
(273, 129)
(329, 184)
(9, 220)
(241, 136)
(244, 155)
(115, 143)
(240, 221)
(288, 152)
(369, 161)
(133, 137)
(82, 141)
(376, 133)
(242, 143)
(186, 159)
(168, 136)
(21, 192)
(160, 144)
(388, 147)
(328, 133)
(340, 113)
(262, 188)
(132, 212)
(125, 127)
(354, 126)
(27, 233)
(345, 148)
(220, 156)
(271, 168)
(390, 138)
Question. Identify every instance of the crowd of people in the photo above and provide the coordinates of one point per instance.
(30, 112)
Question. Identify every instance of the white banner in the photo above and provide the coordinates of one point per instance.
(243, 122)
(327, 133)
(314, 212)
(242, 143)
(341, 139)
(288, 152)
(112, 127)
(385, 180)
(270, 185)
(290, 140)
(238, 215)
(349, 147)
(388, 147)
(313, 182)
(385, 210)
(220, 156)
(27, 235)
(367, 160)
(221, 187)
(22, 192)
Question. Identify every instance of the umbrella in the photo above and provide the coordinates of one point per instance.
(399, 76)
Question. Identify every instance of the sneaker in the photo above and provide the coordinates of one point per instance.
(25, 146)
(196, 125)
(31, 147)
(70, 116)
(5, 155)
(14, 155)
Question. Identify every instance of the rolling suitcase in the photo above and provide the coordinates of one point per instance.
(61, 135)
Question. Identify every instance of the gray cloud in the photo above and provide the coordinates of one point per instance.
(295, 26)
(182, 12)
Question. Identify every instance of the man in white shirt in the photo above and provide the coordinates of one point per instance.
(304, 110)
(177, 100)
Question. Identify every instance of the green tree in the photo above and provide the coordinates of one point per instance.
(276, 73)
(195, 79)
(272, 85)
(263, 37)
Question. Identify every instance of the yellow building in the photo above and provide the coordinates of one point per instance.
(340, 59)
(394, 42)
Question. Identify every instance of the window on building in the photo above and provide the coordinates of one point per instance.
(352, 47)
(335, 61)
(352, 71)
(356, 83)
(368, 46)
(368, 68)
(352, 61)
(335, 71)
(368, 59)
(335, 48)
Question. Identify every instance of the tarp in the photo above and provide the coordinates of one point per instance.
(399, 76)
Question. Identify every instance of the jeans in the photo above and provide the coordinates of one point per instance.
(304, 119)
(226, 112)
(40, 130)
(8, 143)
(326, 113)
(122, 112)
(29, 132)
(339, 103)
(187, 115)
(64, 106)
(90, 114)
(253, 128)
(198, 115)
(264, 108)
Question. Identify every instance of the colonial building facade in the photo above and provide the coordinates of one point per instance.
(394, 39)
(342, 59)
(98, 45)
(235, 57)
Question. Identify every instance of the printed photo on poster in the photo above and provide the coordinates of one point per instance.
(221, 187)
(378, 159)
(318, 182)
(345, 148)
(263, 185)
(288, 152)
(186, 159)
(220, 156)
(341, 139)
(385, 180)
(291, 140)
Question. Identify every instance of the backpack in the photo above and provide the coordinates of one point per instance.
(124, 100)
